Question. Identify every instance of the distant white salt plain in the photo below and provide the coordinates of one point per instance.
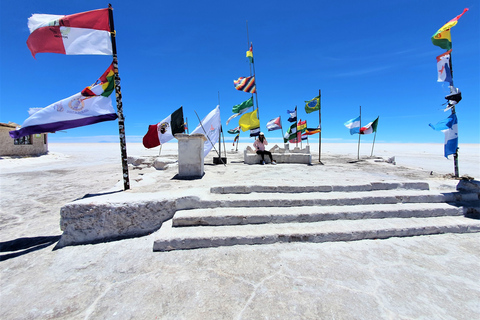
(424, 156)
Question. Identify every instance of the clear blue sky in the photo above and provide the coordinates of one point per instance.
(374, 54)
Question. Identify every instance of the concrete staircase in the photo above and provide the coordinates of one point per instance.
(235, 215)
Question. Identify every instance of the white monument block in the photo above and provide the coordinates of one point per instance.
(190, 154)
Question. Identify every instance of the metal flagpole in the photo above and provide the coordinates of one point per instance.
(358, 153)
(281, 127)
(373, 145)
(206, 135)
(118, 94)
(252, 66)
(320, 125)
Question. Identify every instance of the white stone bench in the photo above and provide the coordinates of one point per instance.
(280, 155)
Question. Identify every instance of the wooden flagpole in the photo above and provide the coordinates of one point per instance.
(358, 152)
(118, 95)
(452, 90)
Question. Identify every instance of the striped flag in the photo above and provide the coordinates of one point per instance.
(450, 129)
(311, 131)
(353, 125)
(291, 134)
(245, 84)
(80, 33)
(274, 124)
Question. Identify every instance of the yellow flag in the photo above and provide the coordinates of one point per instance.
(249, 121)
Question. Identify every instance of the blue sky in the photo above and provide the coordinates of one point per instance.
(374, 54)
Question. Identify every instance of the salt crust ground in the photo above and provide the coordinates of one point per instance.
(429, 277)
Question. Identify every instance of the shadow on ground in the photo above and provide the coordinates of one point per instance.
(25, 245)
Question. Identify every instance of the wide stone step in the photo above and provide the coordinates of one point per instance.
(259, 215)
(321, 199)
(324, 231)
(411, 185)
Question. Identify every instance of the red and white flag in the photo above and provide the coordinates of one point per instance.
(80, 33)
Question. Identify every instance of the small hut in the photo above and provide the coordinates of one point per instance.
(31, 145)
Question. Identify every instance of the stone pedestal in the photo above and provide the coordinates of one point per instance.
(190, 154)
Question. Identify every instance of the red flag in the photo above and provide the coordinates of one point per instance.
(80, 33)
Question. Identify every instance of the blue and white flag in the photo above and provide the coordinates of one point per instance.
(353, 125)
(292, 115)
(450, 128)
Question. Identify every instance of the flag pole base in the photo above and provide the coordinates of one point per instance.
(218, 160)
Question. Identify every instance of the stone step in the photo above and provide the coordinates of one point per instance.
(259, 215)
(321, 199)
(412, 185)
(324, 231)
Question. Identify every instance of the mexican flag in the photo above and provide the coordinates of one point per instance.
(370, 128)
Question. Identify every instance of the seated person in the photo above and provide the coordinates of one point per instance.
(259, 145)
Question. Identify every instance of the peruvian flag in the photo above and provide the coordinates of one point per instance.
(80, 33)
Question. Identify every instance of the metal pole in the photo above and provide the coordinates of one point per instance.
(281, 128)
(373, 145)
(358, 153)
(118, 95)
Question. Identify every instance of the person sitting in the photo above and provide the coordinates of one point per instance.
(259, 145)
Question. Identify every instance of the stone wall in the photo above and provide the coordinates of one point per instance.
(107, 218)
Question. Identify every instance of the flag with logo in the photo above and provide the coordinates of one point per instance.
(249, 121)
(312, 105)
(450, 128)
(443, 68)
(165, 130)
(92, 105)
(353, 125)
(245, 84)
(442, 37)
(370, 127)
(210, 127)
(76, 34)
(274, 124)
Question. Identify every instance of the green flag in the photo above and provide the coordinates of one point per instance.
(291, 133)
(239, 108)
(312, 105)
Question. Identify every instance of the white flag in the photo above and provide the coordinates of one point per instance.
(210, 127)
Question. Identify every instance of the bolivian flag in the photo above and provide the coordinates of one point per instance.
(442, 37)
